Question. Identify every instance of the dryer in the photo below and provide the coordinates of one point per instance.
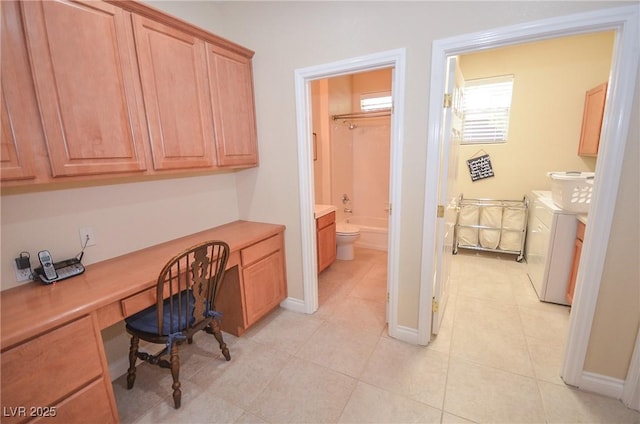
(551, 236)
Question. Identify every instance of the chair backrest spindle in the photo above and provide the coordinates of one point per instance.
(188, 285)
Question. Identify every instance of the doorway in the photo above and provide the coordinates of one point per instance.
(614, 135)
(351, 152)
(394, 59)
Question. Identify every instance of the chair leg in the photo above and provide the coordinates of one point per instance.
(214, 328)
(175, 373)
(133, 356)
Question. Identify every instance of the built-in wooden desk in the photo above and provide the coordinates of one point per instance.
(53, 359)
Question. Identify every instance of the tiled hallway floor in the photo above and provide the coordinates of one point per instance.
(496, 360)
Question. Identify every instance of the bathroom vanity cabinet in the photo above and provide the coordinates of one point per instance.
(326, 240)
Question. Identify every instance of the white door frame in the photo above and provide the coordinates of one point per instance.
(395, 59)
(614, 135)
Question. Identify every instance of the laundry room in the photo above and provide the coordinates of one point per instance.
(523, 156)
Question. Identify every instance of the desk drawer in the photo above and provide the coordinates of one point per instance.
(260, 250)
(89, 405)
(138, 302)
(42, 371)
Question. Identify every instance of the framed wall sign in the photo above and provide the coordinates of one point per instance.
(480, 167)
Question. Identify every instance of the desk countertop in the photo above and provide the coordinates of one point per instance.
(33, 308)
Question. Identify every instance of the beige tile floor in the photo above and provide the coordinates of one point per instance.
(496, 360)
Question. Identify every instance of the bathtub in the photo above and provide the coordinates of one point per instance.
(374, 232)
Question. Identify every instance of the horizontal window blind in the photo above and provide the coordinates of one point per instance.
(375, 101)
(486, 106)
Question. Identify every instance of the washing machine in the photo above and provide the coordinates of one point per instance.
(551, 237)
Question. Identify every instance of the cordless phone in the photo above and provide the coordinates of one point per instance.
(51, 272)
(47, 265)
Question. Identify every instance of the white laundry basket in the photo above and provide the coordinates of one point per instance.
(572, 191)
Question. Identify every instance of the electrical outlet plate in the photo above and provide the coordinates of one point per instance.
(22, 274)
(84, 232)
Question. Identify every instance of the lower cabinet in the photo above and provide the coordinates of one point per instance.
(577, 251)
(58, 377)
(326, 240)
(255, 287)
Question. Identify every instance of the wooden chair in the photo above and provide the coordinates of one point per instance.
(186, 293)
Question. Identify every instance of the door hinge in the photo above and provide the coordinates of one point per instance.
(440, 211)
(388, 297)
(448, 99)
(434, 305)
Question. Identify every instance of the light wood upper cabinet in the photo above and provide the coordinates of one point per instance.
(17, 101)
(94, 89)
(231, 82)
(592, 120)
(176, 96)
(82, 58)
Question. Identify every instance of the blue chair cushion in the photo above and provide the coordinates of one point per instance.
(147, 319)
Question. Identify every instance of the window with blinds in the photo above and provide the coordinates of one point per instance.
(372, 102)
(486, 107)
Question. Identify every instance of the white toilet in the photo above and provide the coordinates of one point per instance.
(346, 236)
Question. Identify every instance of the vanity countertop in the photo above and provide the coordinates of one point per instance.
(322, 210)
(583, 217)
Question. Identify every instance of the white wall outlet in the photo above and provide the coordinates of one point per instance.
(84, 233)
(22, 274)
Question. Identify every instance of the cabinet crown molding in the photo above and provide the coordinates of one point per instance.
(143, 9)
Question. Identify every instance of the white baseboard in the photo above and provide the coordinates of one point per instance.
(602, 384)
(405, 334)
(293, 304)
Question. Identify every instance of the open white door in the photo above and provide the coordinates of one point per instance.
(447, 189)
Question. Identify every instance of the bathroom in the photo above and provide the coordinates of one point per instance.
(352, 155)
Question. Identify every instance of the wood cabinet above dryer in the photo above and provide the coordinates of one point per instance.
(592, 120)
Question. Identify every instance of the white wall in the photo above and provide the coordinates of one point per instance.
(371, 149)
(124, 217)
(371, 156)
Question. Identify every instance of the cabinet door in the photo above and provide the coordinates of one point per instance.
(592, 120)
(44, 370)
(231, 82)
(574, 271)
(326, 245)
(577, 251)
(89, 405)
(82, 54)
(264, 286)
(176, 97)
(18, 110)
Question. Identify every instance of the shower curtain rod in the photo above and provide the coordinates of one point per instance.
(362, 115)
